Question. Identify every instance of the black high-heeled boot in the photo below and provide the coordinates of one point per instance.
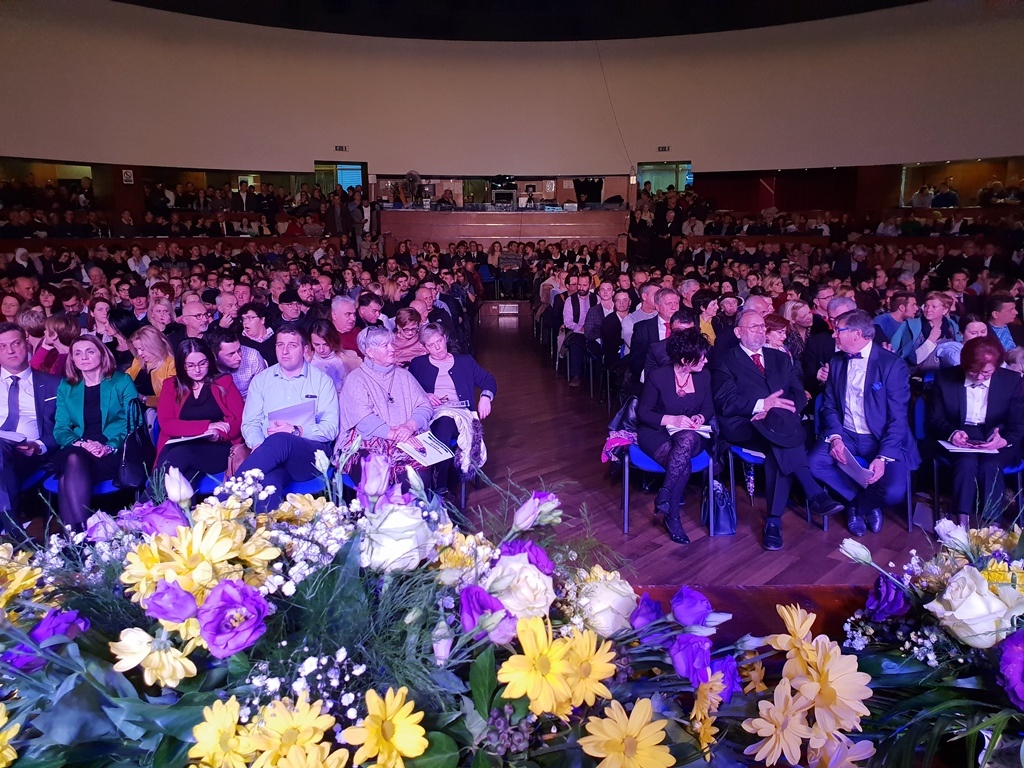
(674, 528)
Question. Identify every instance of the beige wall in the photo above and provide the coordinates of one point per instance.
(98, 81)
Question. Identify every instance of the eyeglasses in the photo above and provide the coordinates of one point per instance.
(758, 327)
(197, 366)
(840, 330)
(250, 317)
(201, 314)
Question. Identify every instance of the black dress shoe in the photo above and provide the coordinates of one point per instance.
(823, 504)
(855, 524)
(873, 519)
(772, 535)
(674, 527)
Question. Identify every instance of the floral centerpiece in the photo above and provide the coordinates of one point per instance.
(944, 643)
(376, 632)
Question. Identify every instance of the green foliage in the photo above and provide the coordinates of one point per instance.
(483, 680)
(442, 753)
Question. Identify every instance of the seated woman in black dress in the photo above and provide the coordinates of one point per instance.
(194, 402)
(450, 381)
(90, 426)
(676, 397)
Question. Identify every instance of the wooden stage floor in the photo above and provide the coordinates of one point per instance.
(542, 433)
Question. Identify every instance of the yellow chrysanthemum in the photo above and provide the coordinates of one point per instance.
(539, 672)
(798, 629)
(283, 724)
(632, 741)
(220, 741)
(997, 573)
(705, 731)
(7, 753)
(837, 752)
(161, 662)
(188, 632)
(588, 666)
(708, 697)
(145, 569)
(197, 558)
(314, 756)
(835, 686)
(782, 726)
(390, 732)
(299, 508)
(230, 509)
(257, 552)
(16, 575)
(753, 675)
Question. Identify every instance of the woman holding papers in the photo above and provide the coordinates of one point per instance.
(382, 403)
(979, 407)
(90, 426)
(674, 404)
(200, 414)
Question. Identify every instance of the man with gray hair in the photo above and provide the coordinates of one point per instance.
(821, 347)
(686, 291)
(645, 311)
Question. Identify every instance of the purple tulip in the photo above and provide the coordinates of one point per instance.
(886, 601)
(152, 519)
(474, 602)
(232, 618)
(54, 624)
(690, 607)
(537, 556)
(1011, 668)
(540, 501)
(730, 676)
(691, 657)
(171, 603)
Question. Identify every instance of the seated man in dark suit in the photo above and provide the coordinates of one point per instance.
(750, 380)
(864, 413)
(979, 404)
(28, 406)
(647, 332)
(657, 355)
(726, 341)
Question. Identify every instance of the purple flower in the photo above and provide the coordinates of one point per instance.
(101, 527)
(151, 519)
(171, 603)
(691, 657)
(537, 556)
(648, 611)
(730, 676)
(540, 501)
(1011, 668)
(886, 601)
(53, 624)
(690, 607)
(474, 602)
(373, 479)
(231, 619)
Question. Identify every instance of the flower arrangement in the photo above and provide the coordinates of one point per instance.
(944, 643)
(375, 632)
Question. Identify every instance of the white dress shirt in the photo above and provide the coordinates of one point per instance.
(634, 317)
(854, 417)
(977, 401)
(759, 405)
(28, 424)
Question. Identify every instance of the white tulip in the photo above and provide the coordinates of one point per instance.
(321, 462)
(856, 551)
(953, 536)
(750, 643)
(715, 618)
(178, 488)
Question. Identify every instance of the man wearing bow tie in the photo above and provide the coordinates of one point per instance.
(864, 413)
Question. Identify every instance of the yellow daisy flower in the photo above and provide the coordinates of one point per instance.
(258, 553)
(161, 662)
(837, 751)
(705, 731)
(798, 629)
(835, 686)
(299, 509)
(7, 753)
(16, 575)
(782, 726)
(708, 697)
(997, 573)
(632, 741)
(283, 724)
(588, 666)
(220, 742)
(539, 672)
(314, 756)
(198, 556)
(753, 674)
(188, 633)
(390, 732)
(145, 569)
(214, 511)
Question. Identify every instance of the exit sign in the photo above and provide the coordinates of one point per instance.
(664, 149)
(341, 148)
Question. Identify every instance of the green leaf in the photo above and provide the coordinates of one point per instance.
(176, 720)
(75, 718)
(483, 679)
(171, 753)
(442, 753)
(239, 666)
(520, 706)
(483, 760)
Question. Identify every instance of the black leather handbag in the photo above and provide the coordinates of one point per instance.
(625, 417)
(137, 452)
(718, 513)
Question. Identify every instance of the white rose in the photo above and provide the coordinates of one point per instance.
(972, 613)
(521, 587)
(395, 538)
(607, 605)
(953, 536)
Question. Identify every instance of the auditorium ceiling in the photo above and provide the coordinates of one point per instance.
(519, 20)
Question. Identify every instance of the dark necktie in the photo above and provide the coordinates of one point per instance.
(854, 356)
(758, 363)
(13, 410)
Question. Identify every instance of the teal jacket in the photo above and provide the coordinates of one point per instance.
(115, 395)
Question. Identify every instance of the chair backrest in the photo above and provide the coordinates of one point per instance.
(484, 270)
(920, 414)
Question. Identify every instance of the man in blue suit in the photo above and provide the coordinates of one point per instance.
(864, 413)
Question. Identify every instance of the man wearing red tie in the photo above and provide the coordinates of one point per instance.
(750, 382)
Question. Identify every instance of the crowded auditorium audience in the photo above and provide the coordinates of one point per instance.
(807, 340)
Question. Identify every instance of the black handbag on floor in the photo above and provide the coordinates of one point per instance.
(719, 515)
(137, 452)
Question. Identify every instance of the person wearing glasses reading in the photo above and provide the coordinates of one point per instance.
(198, 403)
